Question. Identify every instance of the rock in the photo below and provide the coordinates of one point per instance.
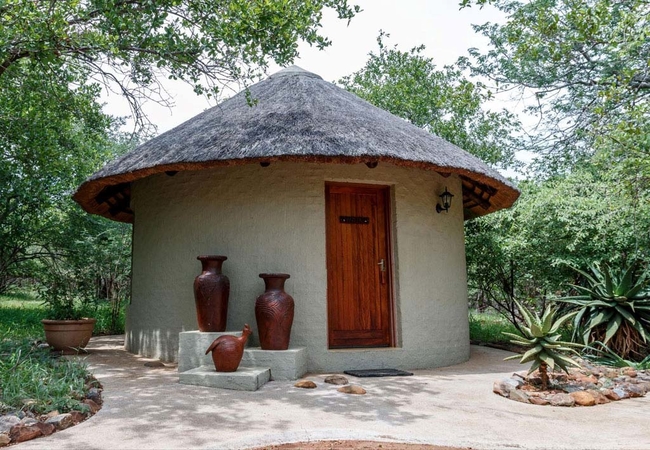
(336, 379)
(22, 433)
(570, 388)
(4, 439)
(62, 421)
(504, 386)
(629, 372)
(27, 421)
(44, 417)
(95, 395)
(561, 377)
(305, 384)
(77, 417)
(600, 398)
(46, 428)
(519, 396)
(589, 379)
(94, 407)
(352, 389)
(43, 345)
(6, 422)
(538, 401)
(561, 400)
(634, 390)
(621, 393)
(583, 398)
(154, 364)
(611, 395)
(611, 373)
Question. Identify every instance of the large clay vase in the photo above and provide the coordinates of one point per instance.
(211, 291)
(274, 313)
(227, 351)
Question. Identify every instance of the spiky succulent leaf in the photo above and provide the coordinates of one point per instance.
(547, 320)
(555, 326)
(612, 327)
(545, 357)
(516, 337)
(509, 358)
(536, 330)
(531, 354)
(534, 366)
(626, 314)
(626, 281)
(528, 318)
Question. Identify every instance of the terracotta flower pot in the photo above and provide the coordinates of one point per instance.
(274, 313)
(67, 336)
(211, 291)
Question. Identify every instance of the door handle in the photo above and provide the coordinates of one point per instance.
(382, 270)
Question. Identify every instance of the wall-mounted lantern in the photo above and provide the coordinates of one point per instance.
(446, 201)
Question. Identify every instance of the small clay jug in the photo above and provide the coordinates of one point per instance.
(274, 313)
(227, 351)
(211, 291)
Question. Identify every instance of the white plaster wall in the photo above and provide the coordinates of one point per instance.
(273, 220)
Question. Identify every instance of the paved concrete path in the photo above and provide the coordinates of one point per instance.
(146, 408)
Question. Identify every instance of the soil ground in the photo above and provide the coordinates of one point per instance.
(355, 445)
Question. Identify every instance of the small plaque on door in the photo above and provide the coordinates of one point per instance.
(354, 219)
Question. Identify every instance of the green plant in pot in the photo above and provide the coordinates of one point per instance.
(541, 337)
(68, 325)
(613, 308)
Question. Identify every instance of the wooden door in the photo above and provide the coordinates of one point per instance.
(359, 305)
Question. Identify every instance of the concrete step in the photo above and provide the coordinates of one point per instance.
(285, 364)
(244, 379)
(192, 346)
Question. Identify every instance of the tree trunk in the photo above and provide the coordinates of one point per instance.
(544, 375)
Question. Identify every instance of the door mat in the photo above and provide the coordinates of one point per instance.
(378, 373)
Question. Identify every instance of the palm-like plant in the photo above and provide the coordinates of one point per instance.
(541, 335)
(613, 308)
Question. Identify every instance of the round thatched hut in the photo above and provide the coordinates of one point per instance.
(313, 181)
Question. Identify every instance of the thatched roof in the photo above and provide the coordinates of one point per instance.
(296, 117)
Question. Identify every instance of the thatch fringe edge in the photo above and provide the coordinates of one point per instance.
(86, 195)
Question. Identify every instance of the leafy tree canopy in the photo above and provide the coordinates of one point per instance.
(130, 45)
(584, 66)
(443, 101)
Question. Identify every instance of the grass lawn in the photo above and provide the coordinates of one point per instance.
(489, 327)
(32, 379)
(20, 316)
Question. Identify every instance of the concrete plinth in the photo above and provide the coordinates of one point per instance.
(245, 379)
(288, 364)
(192, 346)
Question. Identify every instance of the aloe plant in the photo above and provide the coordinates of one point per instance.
(613, 308)
(542, 337)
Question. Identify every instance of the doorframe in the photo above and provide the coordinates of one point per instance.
(390, 257)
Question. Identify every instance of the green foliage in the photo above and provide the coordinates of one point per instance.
(522, 253)
(32, 379)
(585, 64)
(51, 137)
(541, 335)
(442, 102)
(20, 316)
(604, 356)
(489, 328)
(130, 45)
(613, 308)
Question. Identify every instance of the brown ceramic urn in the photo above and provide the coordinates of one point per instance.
(211, 291)
(227, 351)
(274, 313)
